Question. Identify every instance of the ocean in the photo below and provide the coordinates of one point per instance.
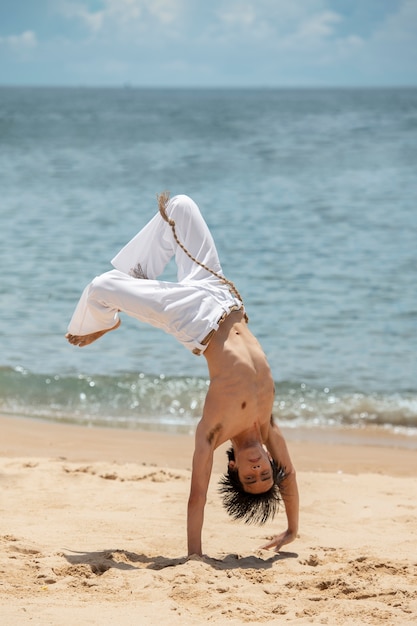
(311, 195)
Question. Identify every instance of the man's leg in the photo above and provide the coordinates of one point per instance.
(146, 255)
(195, 236)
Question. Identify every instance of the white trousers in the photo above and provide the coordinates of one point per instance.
(188, 309)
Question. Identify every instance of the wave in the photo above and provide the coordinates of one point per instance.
(175, 403)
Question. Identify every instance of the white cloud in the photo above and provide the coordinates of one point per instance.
(318, 26)
(318, 35)
(238, 15)
(93, 20)
(121, 16)
(220, 42)
(276, 24)
(310, 32)
(281, 15)
(166, 11)
(23, 42)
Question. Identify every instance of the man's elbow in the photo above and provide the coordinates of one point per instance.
(288, 486)
(290, 474)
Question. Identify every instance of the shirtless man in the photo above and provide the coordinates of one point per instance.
(239, 402)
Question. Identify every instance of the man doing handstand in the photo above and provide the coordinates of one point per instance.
(205, 312)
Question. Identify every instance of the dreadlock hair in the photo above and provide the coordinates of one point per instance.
(251, 508)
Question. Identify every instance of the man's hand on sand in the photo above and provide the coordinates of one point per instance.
(280, 540)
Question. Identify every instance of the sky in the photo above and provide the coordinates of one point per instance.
(209, 43)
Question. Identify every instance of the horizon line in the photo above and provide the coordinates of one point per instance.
(128, 85)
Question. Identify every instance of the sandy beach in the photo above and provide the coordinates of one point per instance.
(93, 532)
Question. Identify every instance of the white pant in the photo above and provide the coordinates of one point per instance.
(188, 309)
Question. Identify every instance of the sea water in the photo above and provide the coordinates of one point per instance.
(311, 196)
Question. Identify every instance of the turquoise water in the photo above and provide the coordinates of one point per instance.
(311, 197)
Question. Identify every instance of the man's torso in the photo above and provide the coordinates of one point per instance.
(241, 391)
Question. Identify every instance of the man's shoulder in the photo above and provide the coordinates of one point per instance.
(209, 434)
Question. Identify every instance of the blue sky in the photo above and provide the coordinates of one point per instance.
(208, 42)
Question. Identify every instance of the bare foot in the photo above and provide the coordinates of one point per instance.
(85, 340)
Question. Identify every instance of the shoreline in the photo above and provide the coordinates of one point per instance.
(315, 449)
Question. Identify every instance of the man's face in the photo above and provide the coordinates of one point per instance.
(254, 469)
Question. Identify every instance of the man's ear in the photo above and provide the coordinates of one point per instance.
(232, 465)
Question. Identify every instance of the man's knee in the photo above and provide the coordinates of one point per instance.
(100, 285)
(182, 206)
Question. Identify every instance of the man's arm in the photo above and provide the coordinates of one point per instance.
(277, 448)
(200, 478)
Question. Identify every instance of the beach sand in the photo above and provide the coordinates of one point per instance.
(93, 533)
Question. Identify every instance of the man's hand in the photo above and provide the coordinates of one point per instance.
(280, 540)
